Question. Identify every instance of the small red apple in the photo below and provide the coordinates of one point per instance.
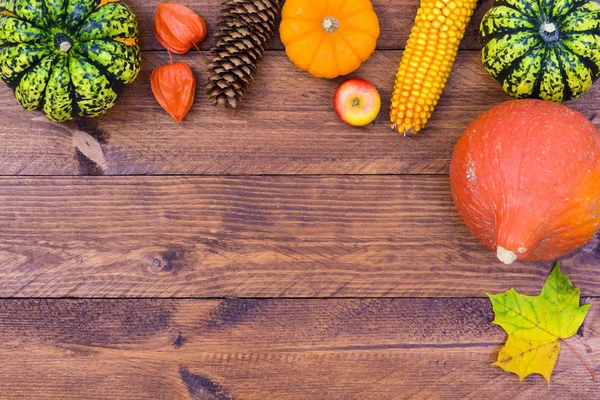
(357, 102)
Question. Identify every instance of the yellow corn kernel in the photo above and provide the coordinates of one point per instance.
(430, 52)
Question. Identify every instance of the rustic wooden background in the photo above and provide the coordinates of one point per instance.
(269, 252)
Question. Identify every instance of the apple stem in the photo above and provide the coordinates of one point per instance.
(580, 359)
(355, 102)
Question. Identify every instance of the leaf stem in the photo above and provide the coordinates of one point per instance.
(580, 359)
(170, 56)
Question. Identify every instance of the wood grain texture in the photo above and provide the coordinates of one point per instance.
(287, 126)
(184, 238)
(395, 19)
(271, 349)
(251, 237)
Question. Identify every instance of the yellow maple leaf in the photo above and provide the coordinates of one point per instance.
(536, 325)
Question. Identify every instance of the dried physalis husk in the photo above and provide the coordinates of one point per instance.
(178, 28)
(174, 86)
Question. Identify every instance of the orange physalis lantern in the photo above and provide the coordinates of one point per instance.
(174, 86)
(178, 28)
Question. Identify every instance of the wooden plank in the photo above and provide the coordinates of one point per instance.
(394, 236)
(395, 19)
(286, 126)
(271, 349)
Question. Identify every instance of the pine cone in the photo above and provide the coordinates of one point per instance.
(245, 27)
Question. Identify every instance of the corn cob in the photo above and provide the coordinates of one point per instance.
(430, 52)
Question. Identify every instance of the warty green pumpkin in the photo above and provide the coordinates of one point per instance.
(68, 58)
(546, 49)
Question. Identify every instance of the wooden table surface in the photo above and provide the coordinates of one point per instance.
(269, 252)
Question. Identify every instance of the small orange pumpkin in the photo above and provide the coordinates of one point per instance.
(329, 38)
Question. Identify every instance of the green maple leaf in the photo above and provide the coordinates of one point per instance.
(537, 325)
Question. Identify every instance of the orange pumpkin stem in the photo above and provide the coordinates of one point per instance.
(330, 25)
(506, 256)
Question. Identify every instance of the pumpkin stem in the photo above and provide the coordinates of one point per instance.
(549, 32)
(506, 256)
(549, 28)
(63, 42)
(330, 24)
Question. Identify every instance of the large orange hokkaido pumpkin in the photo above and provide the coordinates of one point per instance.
(525, 178)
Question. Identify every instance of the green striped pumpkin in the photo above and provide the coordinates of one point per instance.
(68, 58)
(547, 49)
